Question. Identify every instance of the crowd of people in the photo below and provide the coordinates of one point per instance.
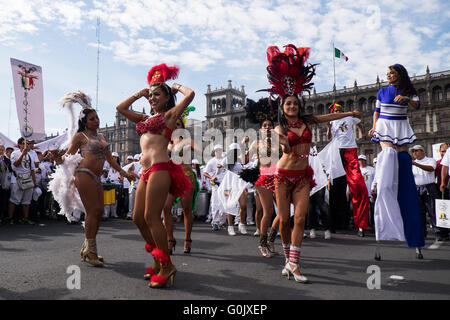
(279, 181)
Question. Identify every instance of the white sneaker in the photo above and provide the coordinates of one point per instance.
(242, 229)
(327, 235)
(436, 245)
(257, 233)
(250, 223)
(231, 231)
(312, 234)
(208, 220)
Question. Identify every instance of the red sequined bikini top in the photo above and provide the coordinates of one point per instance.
(153, 125)
(295, 139)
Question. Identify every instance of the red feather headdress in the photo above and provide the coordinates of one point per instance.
(161, 73)
(288, 72)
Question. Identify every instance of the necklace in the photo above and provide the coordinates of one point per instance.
(295, 124)
(92, 133)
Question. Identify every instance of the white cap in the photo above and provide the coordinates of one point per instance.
(362, 157)
(130, 158)
(137, 156)
(115, 154)
(195, 161)
(417, 147)
(234, 146)
(375, 160)
(218, 146)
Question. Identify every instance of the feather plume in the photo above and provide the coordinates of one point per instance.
(162, 73)
(67, 102)
(288, 72)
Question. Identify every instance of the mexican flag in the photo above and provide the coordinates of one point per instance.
(339, 54)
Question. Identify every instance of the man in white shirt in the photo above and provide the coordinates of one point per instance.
(342, 131)
(215, 171)
(134, 167)
(22, 164)
(423, 171)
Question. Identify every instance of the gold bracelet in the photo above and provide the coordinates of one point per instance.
(137, 95)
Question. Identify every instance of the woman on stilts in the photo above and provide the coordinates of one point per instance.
(397, 211)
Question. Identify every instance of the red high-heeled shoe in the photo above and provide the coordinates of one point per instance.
(150, 271)
(157, 280)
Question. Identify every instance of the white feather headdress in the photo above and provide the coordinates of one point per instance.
(67, 101)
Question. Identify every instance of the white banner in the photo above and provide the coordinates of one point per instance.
(52, 144)
(6, 142)
(28, 89)
(436, 153)
(443, 213)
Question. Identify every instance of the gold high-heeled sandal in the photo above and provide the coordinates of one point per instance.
(83, 247)
(92, 249)
(151, 271)
(158, 281)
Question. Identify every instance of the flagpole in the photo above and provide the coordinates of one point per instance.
(334, 73)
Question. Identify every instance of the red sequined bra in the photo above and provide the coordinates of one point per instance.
(295, 139)
(153, 125)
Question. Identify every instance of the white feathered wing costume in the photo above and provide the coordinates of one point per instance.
(62, 183)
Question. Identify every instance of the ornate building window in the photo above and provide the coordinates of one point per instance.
(349, 105)
(438, 94)
(236, 123)
(447, 92)
(320, 109)
(372, 102)
(362, 104)
(422, 93)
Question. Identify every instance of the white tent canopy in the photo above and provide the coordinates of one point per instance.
(7, 142)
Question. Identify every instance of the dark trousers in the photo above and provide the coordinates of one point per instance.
(4, 199)
(339, 208)
(427, 200)
(317, 204)
(122, 197)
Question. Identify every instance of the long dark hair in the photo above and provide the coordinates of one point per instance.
(404, 83)
(306, 118)
(232, 155)
(166, 89)
(82, 122)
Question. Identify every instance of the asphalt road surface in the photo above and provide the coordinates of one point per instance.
(41, 261)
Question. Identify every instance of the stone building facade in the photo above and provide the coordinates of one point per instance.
(225, 108)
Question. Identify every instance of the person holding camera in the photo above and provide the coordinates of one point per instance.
(22, 182)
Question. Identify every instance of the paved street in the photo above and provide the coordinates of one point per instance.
(35, 259)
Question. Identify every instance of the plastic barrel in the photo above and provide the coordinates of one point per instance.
(203, 202)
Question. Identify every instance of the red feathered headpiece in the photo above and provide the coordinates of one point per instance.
(288, 72)
(162, 73)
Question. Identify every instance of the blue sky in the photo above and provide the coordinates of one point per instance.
(212, 41)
